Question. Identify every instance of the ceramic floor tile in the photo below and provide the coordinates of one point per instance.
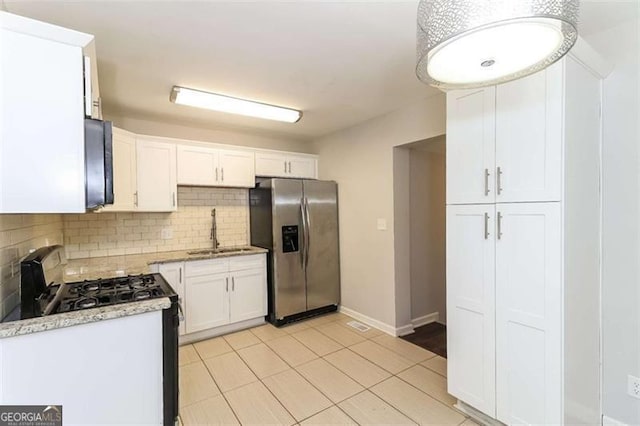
(317, 342)
(382, 356)
(262, 360)
(415, 404)
(212, 411)
(241, 339)
(331, 381)
(429, 382)
(469, 422)
(229, 371)
(340, 334)
(292, 351)
(367, 409)
(268, 332)
(297, 395)
(295, 327)
(254, 404)
(195, 384)
(212, 347)
(322, 319)
(361, 370)
(437, 364)
(187, 354)
(403, 348)
(330, 416)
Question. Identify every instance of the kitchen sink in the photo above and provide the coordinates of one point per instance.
(219, 251)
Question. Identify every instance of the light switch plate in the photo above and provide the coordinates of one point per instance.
(633, 386)
(382, 224)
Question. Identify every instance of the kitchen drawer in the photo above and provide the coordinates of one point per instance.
(198, 268)
(241, 263)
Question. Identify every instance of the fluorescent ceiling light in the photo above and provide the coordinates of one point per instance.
(222, 103)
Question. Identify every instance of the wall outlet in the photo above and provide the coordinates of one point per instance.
(633, 386)
(382, 224)
(166, 233)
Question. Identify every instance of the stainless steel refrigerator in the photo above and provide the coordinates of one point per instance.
(297, 220)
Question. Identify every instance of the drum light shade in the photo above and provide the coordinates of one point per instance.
(476, 43)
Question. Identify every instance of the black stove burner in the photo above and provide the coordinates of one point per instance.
(105, 292)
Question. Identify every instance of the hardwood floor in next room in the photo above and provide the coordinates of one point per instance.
(432, 337)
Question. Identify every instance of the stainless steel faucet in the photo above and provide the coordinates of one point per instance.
(214, 230)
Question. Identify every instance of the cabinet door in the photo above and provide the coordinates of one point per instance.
(124, 172)
(471, 305)
(271, 165)
(529, 313)
(237, 169)
(302, 167)
(207, 301)
(197, 165)
(248, 297)
(471, 146)
(529, 137)
(173, 273)
(157, 187)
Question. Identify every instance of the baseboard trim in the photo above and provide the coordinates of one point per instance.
(371, 322)
(425, 319)
(214, 332)
(608, 421)
(476, 415)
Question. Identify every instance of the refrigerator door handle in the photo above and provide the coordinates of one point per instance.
(307, 239)
(303, 244)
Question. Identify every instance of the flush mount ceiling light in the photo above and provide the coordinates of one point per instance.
(475, 43)
(222, 103)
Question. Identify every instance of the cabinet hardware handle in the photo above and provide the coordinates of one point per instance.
(180, 271)
(216, 174)
(289, 166)
(499, 183)
(499, 225)
(486, 182)
(135, 198)
(233, 283)
(486, 226)
(222, 173)
(227, 284)
(285, 167)
(173, 198)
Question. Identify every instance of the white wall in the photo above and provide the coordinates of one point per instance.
(621, 219)
(361, 160)
(428, 229)
(223, 136)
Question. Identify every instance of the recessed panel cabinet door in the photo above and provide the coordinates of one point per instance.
(529, 137)
(271, 165)
(197, 165)
(157, 186)
(470, 305)
(302, 167)
(124, 172)
(529, 313)
(471, 146)
(237, 169)
(248, 294)
(173, 273)
(207, 301)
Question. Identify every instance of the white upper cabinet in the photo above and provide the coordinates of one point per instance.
(157, 185)
(197, 165)
(202, 166)
(286, 165)
(529, 137)
(125, 186)
(471, 146)
(529, 300)
(42, 168)
(471, 304)
(237, 168)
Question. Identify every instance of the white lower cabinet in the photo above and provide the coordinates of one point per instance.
(218, 292)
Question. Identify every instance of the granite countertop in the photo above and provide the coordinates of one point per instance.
(117, 266)
(85, 316)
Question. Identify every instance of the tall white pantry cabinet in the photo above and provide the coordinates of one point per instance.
(523, 245)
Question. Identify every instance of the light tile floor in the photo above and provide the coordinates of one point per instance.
(319, 371)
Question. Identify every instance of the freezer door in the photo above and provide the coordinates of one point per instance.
(288, 282)
(323, 257)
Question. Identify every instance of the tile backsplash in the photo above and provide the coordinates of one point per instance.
(114, 234)
(20, 233)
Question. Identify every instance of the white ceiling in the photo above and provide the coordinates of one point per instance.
(340, 62)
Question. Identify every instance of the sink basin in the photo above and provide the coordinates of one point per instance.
(219, 251)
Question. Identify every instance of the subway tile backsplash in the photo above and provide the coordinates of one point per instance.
(114, 234)
(20, 233)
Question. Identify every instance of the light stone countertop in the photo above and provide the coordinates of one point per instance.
(109, 267)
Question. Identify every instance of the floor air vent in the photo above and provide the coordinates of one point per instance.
(358, 326)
